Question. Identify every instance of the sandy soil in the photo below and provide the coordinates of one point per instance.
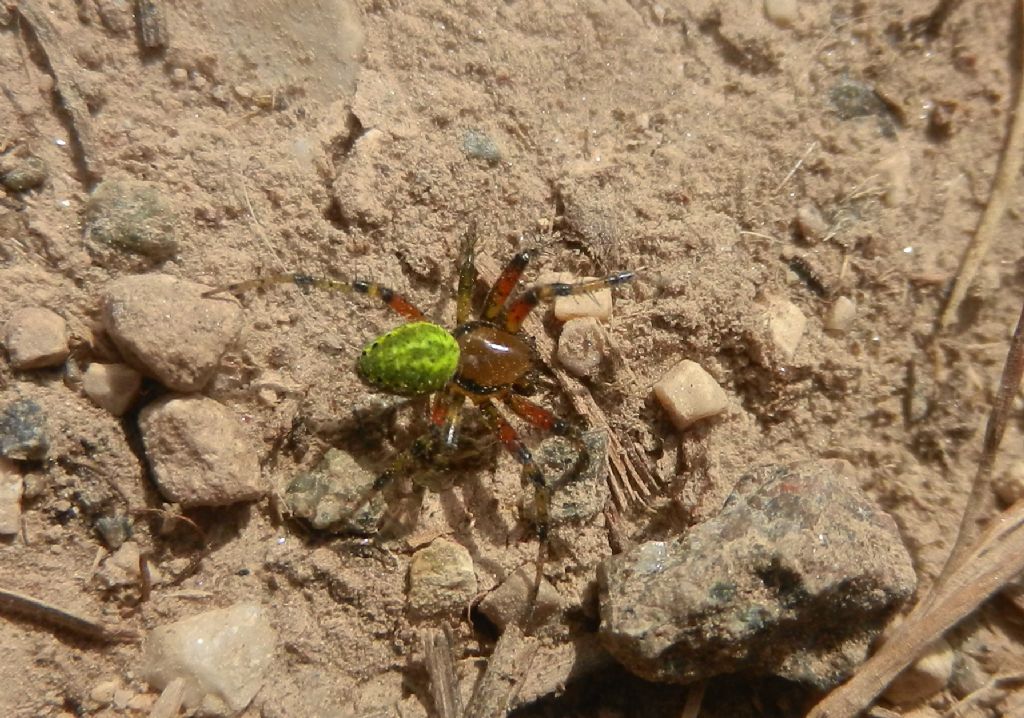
(679, 140)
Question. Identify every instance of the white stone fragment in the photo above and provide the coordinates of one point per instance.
(840, 315)
(925, 677)
(811, 224)
(199, 452)
(593, 304)
(11, 490)
(441, 578)
(581, 346)
(113, 387)
(781, 12)
(221, 655)
(36, 337)
(786, 325)
(688, 393)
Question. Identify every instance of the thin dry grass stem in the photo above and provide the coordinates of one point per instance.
(62, 66)
(980, 501)
(440, 663)
(796, 168)
(694, 698)
(43, 612)
(995, 686)
(511, 660)
(169, 703)
(974, 571)
(999, 199)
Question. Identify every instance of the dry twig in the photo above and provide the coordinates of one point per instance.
(999, 199)
(444, 684)
(38, 610)
(511, 660)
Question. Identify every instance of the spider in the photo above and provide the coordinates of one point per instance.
(485, 359)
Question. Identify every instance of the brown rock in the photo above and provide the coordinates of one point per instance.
(36, 337)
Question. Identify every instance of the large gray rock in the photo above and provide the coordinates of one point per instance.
(794, 578)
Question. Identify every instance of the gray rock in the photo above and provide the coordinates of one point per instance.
(480, 146)
(795, 578)
(131, 216)
(19, 174)
(165, 327)
(199, 452)
(221, 655)
(326, 496)
(23, 433)
(510, 603)
(575, 497)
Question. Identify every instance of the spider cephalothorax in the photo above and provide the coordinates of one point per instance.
(484, 360)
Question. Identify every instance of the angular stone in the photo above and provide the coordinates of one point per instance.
(165, 327)
(131, 216)
(326, 496)
(510, 602)
(689, 393)
(199, 452)
(441, 578)
(221, 655)
(23, 433)
(795, 578)
(36, 337)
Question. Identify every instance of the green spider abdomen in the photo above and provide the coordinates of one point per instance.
(415, 358)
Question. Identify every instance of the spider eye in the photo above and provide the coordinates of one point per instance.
(416, 358)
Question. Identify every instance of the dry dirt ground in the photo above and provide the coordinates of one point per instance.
(677, 139)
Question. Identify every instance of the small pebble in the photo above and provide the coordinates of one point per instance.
(179, 76)
(811, 224)
(199, 452)
(222, 656)
(325, 496)
(441, 578)
(103, 692)
(840, 315)
(11, 490)
(781, 12)
(36, 337)
(786, 325)
(688, 393)
(113, 387)
(480, 146)
(132, 216)
(165, 327)
(894, 175)
(928, 675)
(509, 603)
(23, 433)
(121, 568)
(1009, 485)
(581, 346)
(19, 174)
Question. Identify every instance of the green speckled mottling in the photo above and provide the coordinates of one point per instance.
(415, 358)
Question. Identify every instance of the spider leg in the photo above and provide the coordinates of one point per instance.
(515, 446)
(545, 420)
(445, 416)
(504, 285)
(467, 275)
(389, 297)
(521, 307)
